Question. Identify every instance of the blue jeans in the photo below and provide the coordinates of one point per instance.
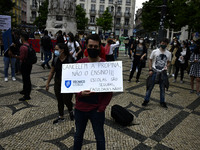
(115, 53)
(7, 61)
(97, 119)
(47, 57)
(162, 89)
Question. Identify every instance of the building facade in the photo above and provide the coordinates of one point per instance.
(121, 10)
(17, 11)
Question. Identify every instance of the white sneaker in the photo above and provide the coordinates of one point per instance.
(172, 75)
(41, 60)
(6, 79)
(13, 78)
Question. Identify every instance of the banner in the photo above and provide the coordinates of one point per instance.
(7, 39)
(96, 77)
(36, 44)
(5, 22)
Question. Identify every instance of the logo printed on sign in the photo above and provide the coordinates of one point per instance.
(68, 83)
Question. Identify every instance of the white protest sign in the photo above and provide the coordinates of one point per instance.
(96, 77)
(5, 22)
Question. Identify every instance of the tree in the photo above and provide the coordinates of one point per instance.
(105, 21)
(40, 21)
(81, 19)
(179, 14)
(6, 7)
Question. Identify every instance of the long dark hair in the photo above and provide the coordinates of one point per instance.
(72, 38)
(63, 46)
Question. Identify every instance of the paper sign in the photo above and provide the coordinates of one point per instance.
(96, 77)
(5, 22)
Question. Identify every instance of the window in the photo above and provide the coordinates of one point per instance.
(82, 0)
(102, 1)
(126, 22)
(101, 9)
(118, 9)
(118, 21)
(82, 5)
(128, 2)
(93, 7)
(110, 1)
(127, 11)
(92, 19)
(119, 2)
(94, 1)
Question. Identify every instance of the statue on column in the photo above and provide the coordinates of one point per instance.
(55, 4)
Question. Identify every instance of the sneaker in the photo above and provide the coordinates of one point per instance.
(13, 78)
(6, 79)
(24, 98)
(129, 81)
(41, 60)
(58, 120)
(137, 81)
(191, 91)
(174, 81)
(181, 81)
(71, 115)
(172, 75)
(145, 103)
(163, 104)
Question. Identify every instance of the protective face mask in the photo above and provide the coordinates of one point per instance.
(57, 53)
(67, 38)
(175, 44)
(141, 41)
(93, 53)
(163, 46)
(20, 40)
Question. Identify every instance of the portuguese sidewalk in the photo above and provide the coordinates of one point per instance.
(28, 125)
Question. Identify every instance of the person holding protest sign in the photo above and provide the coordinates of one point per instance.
(62, 57)
(90, 105)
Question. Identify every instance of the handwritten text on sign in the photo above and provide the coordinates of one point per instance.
(96, 77)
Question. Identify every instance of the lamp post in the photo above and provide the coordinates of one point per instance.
(114, 7)
(162, 20)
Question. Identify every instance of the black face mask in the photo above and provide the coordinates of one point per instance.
(93, 52)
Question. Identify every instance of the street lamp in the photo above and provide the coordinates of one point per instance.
(162, 20)
(114, 7)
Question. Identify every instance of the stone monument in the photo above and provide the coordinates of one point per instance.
(61, 16)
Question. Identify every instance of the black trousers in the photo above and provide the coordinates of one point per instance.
(110, 57)
(62, 98)
(182, 68)
(136, 63)
(26, 72)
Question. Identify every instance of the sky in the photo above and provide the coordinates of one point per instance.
(139, 4)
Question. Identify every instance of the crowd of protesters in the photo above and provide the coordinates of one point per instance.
(165, 61)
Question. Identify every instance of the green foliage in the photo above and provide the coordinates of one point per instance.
(40, 21)
(81, 19)
(6, 7)
(179, 14)
(105, 21)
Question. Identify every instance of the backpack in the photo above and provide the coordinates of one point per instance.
(32, 58)
(121, 115)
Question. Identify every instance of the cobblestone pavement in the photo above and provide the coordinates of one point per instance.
(28, 125)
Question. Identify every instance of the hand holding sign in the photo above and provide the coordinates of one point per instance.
(92, 77)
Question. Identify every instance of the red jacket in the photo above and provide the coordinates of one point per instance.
(95, 101)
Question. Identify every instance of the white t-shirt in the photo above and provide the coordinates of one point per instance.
(71, 48)
(112, 47)
(160, 59)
